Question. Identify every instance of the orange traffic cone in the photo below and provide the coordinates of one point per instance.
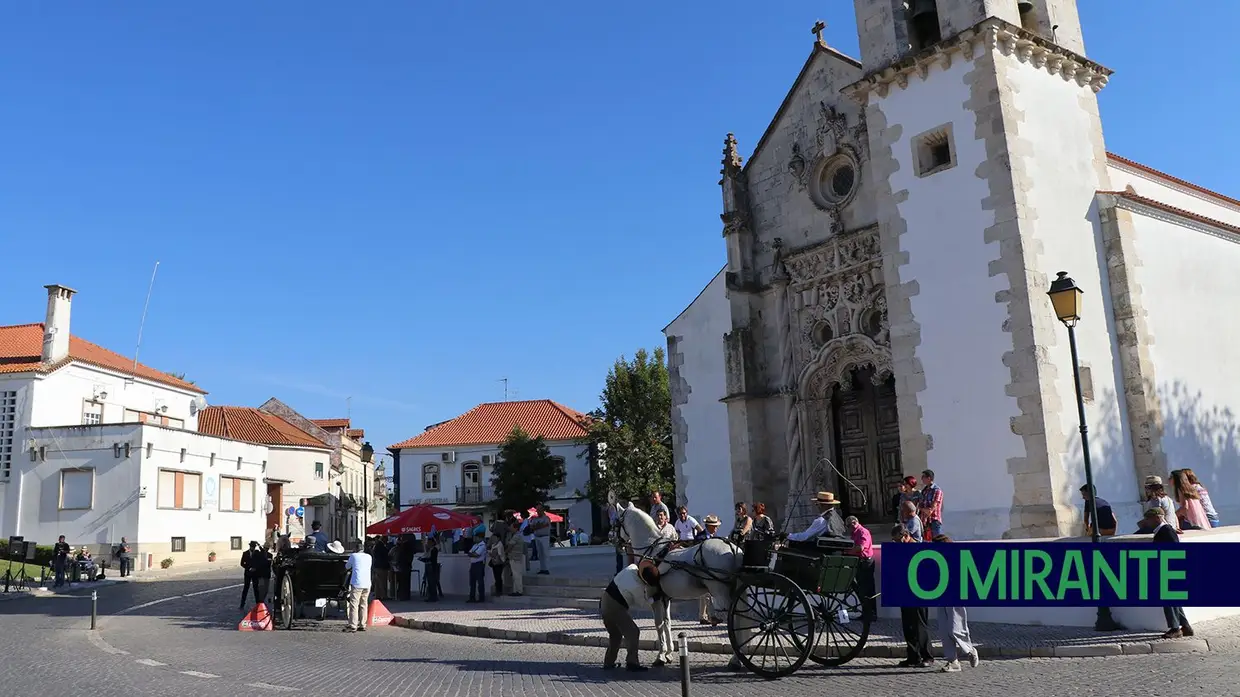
(377, 615)
(256, 620)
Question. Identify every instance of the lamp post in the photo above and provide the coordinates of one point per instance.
(1066, 300)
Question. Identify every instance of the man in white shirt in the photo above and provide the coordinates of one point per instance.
(358, 565)
(829, 523)
(686, 526)
(664, 529)
(627, 590)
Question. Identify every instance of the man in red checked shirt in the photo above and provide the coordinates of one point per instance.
(930, 508)
(863, 547)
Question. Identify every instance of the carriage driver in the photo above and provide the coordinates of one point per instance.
(829, 524)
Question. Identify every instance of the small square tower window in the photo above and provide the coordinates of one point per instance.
(934, 151)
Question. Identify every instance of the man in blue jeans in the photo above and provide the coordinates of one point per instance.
(478, 569)
(1177, 621)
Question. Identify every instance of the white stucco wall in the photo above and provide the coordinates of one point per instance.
(1187, 276)
(965, 408)
(1064, 176)
(1171, 193)
(699, 420)
(296, 466)
(61, 395)
(451, 476)
(125, 502)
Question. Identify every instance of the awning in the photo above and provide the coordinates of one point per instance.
(271, 480)
(320, 500)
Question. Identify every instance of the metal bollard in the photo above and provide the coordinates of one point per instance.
(684, 665)
(94, 608)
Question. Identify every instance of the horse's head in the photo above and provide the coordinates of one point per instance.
(635, 529)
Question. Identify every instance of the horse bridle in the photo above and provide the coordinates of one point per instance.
(622, 535)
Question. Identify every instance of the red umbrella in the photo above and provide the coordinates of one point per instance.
(550, 516)
(422, 519)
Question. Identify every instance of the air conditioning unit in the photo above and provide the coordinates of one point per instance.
(449, 456)
(488, 459)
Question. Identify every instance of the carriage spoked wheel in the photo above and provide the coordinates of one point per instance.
(771, 625)
(287, 602)
(837, 642)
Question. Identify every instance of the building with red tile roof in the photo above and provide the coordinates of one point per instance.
(490, 424)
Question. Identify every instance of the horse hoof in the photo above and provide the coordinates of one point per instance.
(658, 663)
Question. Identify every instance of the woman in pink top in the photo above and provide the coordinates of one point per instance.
(1191, 510)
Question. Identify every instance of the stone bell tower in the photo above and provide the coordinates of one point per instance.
(987, 153)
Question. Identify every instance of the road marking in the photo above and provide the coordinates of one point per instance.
(274, 688)
(197, 674)
(102, 645)
(176, 597)
(149, 662)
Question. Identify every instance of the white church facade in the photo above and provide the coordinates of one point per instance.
(890, 242)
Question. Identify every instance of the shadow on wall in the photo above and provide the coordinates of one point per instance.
(1196, 435)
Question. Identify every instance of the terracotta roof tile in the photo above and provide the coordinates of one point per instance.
(490, 424)
(21, 349)
(253, 426)
(1159, 205)
(330, 423)
(358, 433)
(1174, 180)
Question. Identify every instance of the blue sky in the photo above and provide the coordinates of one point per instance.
(406, 203)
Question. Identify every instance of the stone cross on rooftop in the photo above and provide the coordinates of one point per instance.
(819, 26)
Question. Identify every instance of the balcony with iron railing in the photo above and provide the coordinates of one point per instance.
(474, 495)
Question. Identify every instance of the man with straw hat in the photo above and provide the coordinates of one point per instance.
(829, 524)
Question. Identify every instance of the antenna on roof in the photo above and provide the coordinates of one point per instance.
(505, 381)
(150, 289)
(348, 408)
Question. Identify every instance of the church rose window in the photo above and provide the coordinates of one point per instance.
(837, 181)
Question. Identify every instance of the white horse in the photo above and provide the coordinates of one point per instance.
(684, 574)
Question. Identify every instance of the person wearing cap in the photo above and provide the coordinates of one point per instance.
(828, 524)
(629, 588)
(1165, 533)
(1156, 497)
(317, 538)
(248, 559)
(711, 523)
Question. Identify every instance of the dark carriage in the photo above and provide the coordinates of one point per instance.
(305, 578)
(798, 603)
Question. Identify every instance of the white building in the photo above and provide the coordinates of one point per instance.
(298, 464)
(451, 463)
(890, 244)
(95, 447)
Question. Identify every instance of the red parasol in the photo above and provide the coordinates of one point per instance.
(422, 519)
(550, 516)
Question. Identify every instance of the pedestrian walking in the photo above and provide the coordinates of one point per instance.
(914, 621)
(478, 569)
(359, 566)
(954, 632)
(628, 589)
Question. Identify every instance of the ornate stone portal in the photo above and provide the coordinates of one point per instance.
(833, 314)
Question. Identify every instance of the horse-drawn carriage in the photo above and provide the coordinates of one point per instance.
(784, 604)
(305, 578)
(793, 604)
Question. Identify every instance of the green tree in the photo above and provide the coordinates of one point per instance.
(525, 473)
(632, 431)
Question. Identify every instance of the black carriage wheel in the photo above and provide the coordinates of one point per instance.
(287, 602)
(771, 625)
(838, 643)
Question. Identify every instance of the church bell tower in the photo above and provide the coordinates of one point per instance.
(987, 152)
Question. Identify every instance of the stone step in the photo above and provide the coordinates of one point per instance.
(563, 591)
(599, 582)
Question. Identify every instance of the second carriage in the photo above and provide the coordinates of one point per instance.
(793, 604)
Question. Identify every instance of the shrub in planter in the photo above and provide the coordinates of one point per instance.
(165, 563)
(211, 556)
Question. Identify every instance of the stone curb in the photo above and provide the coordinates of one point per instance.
(711, 647)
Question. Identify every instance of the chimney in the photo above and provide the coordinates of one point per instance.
(56, 326)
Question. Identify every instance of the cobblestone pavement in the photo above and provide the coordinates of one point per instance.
(179, 636)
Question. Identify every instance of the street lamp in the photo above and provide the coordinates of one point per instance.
(1066, 299)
